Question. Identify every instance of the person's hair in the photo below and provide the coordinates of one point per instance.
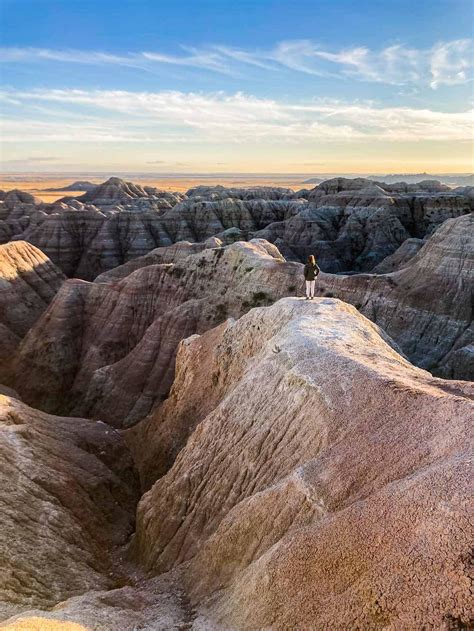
(311, 260)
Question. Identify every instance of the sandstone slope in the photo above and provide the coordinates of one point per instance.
(326, 486)
(106, 350)
(28, 283)
(68, 495)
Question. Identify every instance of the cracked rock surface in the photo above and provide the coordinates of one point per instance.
(327, 484)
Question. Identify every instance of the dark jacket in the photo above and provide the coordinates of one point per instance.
(311, 271)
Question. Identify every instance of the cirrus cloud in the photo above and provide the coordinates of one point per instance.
(175, 117)
(444, 63)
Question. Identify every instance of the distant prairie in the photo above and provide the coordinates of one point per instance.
(46, 186)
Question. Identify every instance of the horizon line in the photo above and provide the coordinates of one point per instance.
(235, 173)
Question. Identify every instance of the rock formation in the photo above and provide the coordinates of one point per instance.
(297, 470)
(106, 350)
(427, 306)
(80, 185)
(115, 192)
(400, 258)
(325, 484)
(16, 208)
(146, 605)
(111, 344)
(213, 193)
(351, 224)
(28, 283)
(68, 495)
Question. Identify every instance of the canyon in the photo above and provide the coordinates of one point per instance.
(189, 443)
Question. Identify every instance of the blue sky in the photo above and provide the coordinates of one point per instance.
(268, 85)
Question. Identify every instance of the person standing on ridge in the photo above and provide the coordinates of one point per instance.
(311, 271)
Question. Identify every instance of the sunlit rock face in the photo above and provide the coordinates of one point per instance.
(107, 349)
(68, 494)
(28, 283)
(323, 480)
(427, 305)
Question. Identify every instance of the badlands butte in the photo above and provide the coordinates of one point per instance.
(187, 443)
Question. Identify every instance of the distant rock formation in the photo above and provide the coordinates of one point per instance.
(106, 350)
(213, 193)
(68, 496)
(426, 306)
(28, 283)
(323, 481)
(116, 191)
(350, 224)
(414, 178)
(354, 224)
(400, 258)
(16, 208)
(80, 185)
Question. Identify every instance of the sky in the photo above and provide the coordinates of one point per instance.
(268, 86)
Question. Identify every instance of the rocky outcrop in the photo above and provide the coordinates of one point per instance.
(417, 178)
(28, 283)
(350, 224)
(79, 185)
(213, 193)
(119, 221)
(106, 350)
(169, 254)
(325, 484)
(400, 258)
(146, 605)
(116, 192)
(353, 225)
(68, 495)
(16, 209)
(427, 305)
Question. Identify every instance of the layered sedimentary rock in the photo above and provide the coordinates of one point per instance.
(427, 306)
(213, 193)
(118, 193)
(68, 494)
(119, 221)
(325, 484)
(28, 283)
(107, 350)
(400, 258)
(16, 208)
(79, 185)
(352, 225)
(168, 254)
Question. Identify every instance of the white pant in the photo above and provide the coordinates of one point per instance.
(310, 284)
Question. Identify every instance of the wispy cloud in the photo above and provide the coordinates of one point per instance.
(71, 56)
(445, 63)
(31, 159)
(173, 117)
